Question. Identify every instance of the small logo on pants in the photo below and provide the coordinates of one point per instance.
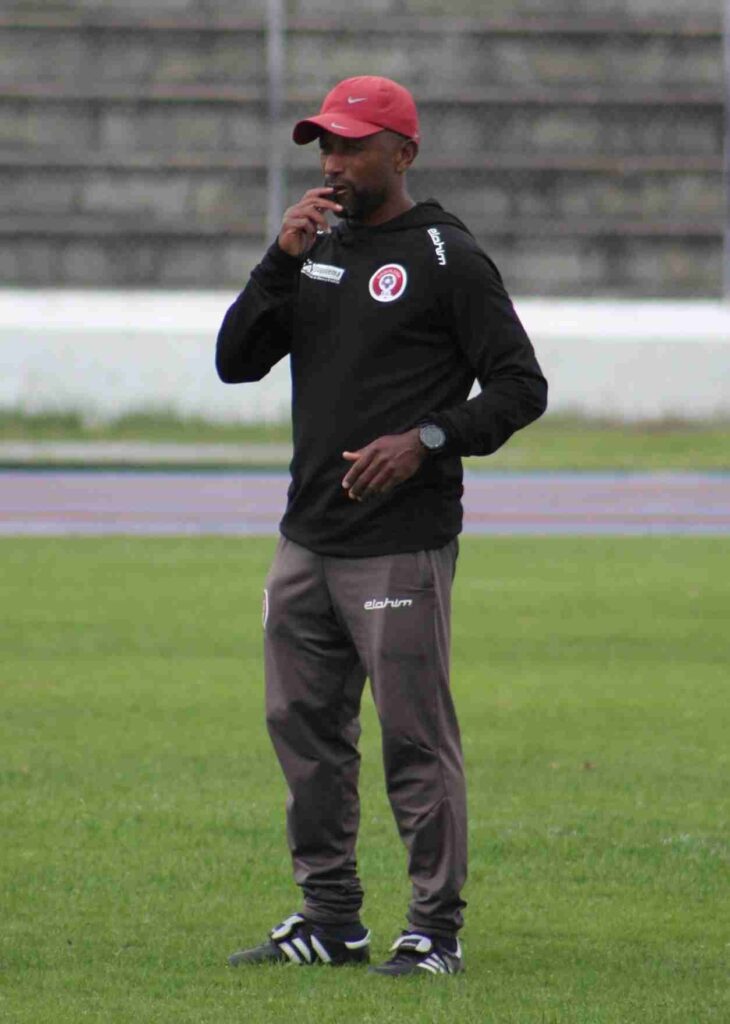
(387, 602)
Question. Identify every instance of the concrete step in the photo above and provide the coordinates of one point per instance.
(516, 59)
(301, 161)
(535, 259)
(215, 9)
(475, 8)
(133, 228)
(174, 192)
(456, 52)
(478, 196)
(169, 118)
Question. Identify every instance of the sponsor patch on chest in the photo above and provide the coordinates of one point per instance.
(323, 272)
(388, 283)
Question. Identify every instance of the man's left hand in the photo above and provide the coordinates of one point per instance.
(382, 464)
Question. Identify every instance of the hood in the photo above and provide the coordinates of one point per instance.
(429, 213)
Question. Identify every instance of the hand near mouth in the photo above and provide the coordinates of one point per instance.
(302, 221)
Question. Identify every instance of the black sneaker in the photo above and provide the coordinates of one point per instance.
(296, 941)
(414, 953)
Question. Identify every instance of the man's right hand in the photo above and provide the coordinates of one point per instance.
(302, 221)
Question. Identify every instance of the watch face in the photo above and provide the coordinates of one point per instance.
(432, 437)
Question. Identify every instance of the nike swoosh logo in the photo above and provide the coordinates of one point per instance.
(334, 124)
(356, 99)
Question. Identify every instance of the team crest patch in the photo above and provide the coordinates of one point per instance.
(388, 283)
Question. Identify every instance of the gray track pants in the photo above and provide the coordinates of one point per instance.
(329, 623)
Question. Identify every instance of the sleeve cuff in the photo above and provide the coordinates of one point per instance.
(453, 442)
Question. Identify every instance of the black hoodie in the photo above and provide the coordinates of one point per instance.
(374, 353)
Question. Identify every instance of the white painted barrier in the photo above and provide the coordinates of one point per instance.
(107, 353)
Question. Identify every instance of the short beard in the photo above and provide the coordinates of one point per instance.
(360, 203)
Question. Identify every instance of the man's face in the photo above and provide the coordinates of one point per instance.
(362, 171)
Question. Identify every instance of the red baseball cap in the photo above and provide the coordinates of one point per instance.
(362, 106)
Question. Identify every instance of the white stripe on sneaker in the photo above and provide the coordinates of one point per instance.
(359, 943)
(289, 951)
(320, 950)
(412, 940)
(286, 927)
(303, 949)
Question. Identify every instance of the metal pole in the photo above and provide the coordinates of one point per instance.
(726, 176)
(275, 73)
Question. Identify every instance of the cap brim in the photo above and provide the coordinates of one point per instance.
(339, 124)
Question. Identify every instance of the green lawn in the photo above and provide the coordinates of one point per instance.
(72, 426)
(554, 442)
(142, 810)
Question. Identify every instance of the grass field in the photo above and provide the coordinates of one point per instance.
(142, 811)
(554, 442)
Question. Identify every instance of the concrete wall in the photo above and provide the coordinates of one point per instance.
(582, 142)
(108, 353)
(476, 8)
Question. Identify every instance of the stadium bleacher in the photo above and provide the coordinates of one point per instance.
(584, 150)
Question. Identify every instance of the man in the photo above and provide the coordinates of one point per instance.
(388, 319)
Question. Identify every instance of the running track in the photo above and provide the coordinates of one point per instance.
(62, 502)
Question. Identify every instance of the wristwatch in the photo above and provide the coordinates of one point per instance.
(432, 438)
